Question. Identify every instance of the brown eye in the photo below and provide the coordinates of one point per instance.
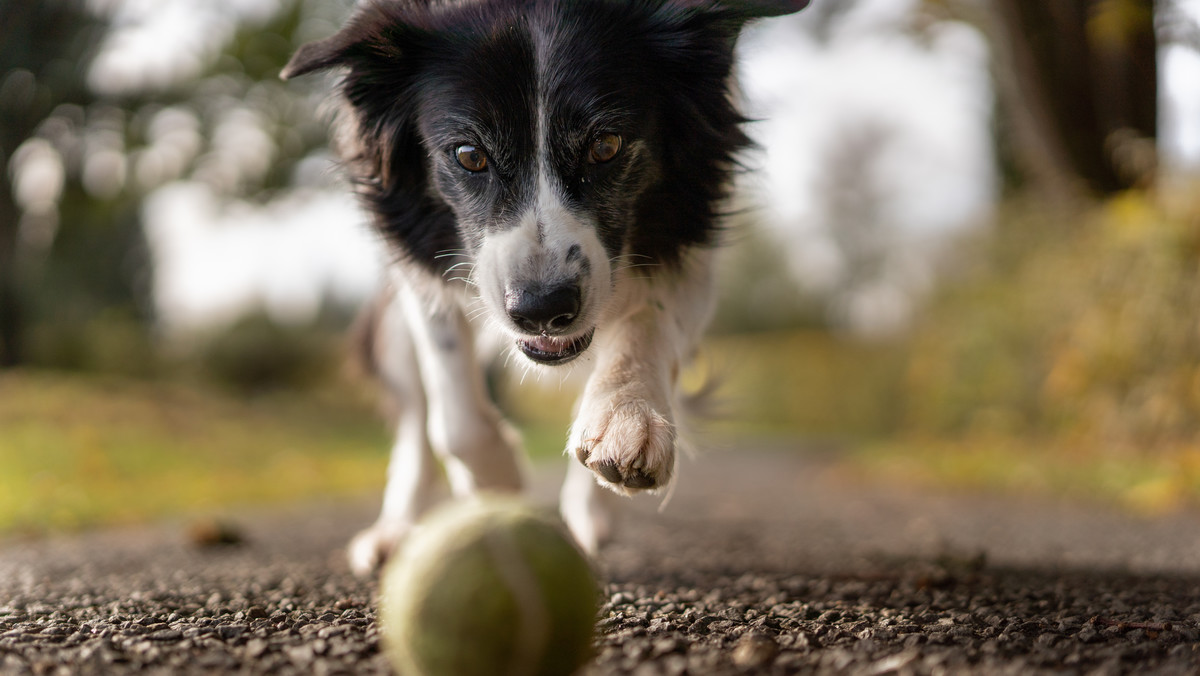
(604, 148)
(471, 158)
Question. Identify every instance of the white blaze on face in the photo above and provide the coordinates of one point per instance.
(549, 246)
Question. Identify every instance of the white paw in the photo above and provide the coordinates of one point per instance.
(589, 530)
(587, 509)
(373, 546)
(481, 454)
(627, 442)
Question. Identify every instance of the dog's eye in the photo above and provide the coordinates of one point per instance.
(471, 158)
(604, 148)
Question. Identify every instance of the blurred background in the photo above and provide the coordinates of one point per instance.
(968, 255)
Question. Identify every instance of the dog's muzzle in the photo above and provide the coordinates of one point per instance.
(547, 314)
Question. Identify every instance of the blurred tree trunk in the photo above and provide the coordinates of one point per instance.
(45, 50)
(10, 310)
(1084, 78)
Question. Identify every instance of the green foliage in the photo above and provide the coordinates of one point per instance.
(1146, 485)
(1078, 327)
(807, 384)
(1062, 358)
(242, 82)
(257, 355)
(44, 55)
(234, 126)
(80, 452)
(109, 342)
(757, 291)
(44, 52)
(784, 384)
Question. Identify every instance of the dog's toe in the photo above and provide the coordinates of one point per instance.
(639, 480)
(633, 478)
(609, 470)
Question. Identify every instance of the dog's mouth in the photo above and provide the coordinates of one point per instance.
(554, 350)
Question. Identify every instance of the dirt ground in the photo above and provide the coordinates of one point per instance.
(763, 562)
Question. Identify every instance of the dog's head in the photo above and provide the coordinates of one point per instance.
(546, 146)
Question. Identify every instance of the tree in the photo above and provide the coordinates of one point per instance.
(89, 255)
(1078, 88)
(1088, 70)
(44, 54)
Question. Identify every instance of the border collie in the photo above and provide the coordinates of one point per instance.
(550, 172)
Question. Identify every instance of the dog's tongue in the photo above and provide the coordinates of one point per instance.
(546, 344)
(556, 350)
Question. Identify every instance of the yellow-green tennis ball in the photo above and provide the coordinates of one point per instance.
(488, 587)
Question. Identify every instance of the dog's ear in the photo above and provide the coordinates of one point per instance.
(318, 55)
(733, 15)
(757, 9)
(373, 32)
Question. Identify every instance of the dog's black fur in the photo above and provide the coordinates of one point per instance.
(547, 147)
(420, 74)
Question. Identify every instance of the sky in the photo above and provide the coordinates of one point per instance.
(217, 261)
(922, 109)
(929, 103)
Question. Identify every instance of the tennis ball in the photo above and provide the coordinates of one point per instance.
(491, 586)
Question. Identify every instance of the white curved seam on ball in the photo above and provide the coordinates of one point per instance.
(533, 630)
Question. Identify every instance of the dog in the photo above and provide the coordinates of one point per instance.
(550, 173)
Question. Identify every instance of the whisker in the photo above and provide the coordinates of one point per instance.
(635, 265)
(476, 314)
(623, 257)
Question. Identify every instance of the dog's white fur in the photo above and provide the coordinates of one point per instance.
(627, 413)
(432, 337)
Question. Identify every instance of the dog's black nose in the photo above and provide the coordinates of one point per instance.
(543, 310)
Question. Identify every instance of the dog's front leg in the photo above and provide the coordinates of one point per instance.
(625, 430)
(412, 474)
(476, 447)
(424, 353)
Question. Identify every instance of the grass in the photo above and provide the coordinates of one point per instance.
(84, 451)
(789, 384)
(81, 451)
(1142, 483)
(77, 452)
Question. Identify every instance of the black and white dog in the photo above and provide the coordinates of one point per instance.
(550, 171)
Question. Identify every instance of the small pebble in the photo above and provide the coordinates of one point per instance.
(754, 651)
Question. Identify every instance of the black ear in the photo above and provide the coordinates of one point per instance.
(735, 14)
(373, 31)
(757, 9)
(318, 55)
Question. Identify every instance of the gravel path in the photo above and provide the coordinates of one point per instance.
(762, 563)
